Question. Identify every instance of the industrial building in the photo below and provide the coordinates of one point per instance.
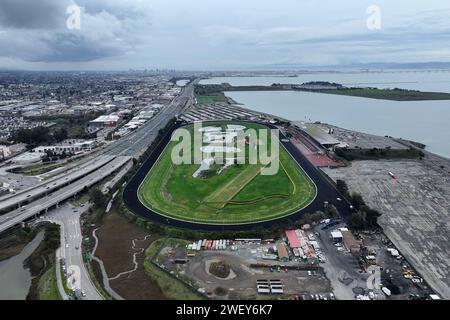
(107, 121)
(300, 243)
(319, 135)
(283, 254)
(68, 147)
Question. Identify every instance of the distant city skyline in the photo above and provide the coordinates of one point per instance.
(220, 35)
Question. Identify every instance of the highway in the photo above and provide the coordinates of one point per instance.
(36, 207)
(90, 170)
(137, 142)
(52, 184)
(68, 217)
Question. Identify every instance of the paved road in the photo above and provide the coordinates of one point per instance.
(36, 207)
(137, 142)
(54, 183)
(97, 167)
(341, 268)
(68, 217)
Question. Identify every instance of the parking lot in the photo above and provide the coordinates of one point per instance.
(14, 181)
(415, 210)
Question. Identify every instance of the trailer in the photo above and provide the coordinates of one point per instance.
(386, 291)
(392, 175)
(263, 289)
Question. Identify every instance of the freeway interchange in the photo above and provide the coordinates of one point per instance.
(23, 213)
(101, 164)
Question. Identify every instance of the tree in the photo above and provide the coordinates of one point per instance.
(342, 187)
(52, 236)
(357, 200)
(356, 220)
(98, 198)
(33, 137)
(371, 217)
(110, 136)
(60, 134)
(331, 211)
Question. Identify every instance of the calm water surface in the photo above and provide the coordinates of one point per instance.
(15, 280)
(427, 122)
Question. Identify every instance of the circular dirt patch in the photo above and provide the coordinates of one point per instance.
(220, 269)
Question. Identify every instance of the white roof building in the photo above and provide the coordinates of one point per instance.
(336, 234)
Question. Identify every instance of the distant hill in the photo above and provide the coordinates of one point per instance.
(431, 65)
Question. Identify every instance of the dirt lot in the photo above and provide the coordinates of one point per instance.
(241, 282)
(115, 249)
(343, 270)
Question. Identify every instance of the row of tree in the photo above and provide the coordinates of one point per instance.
(52, 237)
(39, 136)
(363, 217)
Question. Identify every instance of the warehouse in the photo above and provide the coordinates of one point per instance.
(318, 134)
(108, 121)
(282, 252)
(294, 242)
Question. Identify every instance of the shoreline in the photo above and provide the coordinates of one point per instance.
(395, 94)
(406, 141)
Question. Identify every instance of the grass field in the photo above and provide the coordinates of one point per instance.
(389, 94)
(205, 99)
(47, 287)
(239, 194)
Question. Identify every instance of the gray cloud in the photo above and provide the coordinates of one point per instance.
(35, 31)
(122, 34)
(25, 14)
(71, 47)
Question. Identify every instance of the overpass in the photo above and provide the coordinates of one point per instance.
(50, 185)
(86, 173)
(41, 205)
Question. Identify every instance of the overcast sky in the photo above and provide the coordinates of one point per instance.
(219, 34)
